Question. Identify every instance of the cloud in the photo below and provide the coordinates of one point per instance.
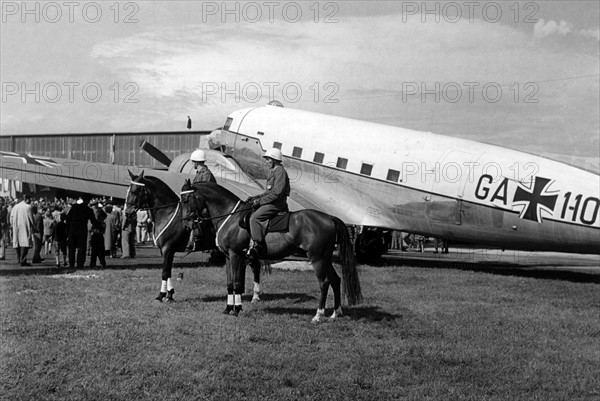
(590, 33)
(544, 29)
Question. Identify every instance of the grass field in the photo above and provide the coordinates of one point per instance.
(421, 334)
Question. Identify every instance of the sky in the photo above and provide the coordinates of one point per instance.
(519, 74)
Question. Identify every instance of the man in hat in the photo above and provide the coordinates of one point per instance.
(270, 203)
(77, 226)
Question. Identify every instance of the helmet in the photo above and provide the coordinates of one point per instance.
(274, 154)
(198, 156)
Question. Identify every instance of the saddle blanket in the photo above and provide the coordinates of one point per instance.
(278, 223)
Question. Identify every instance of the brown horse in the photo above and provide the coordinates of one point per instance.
(311, 231)
(170, 235)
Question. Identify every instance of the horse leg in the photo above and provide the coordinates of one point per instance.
(255, 265)
(335, 281)
(230, 296)
(166, 288)
(238, 268)
(324, 285)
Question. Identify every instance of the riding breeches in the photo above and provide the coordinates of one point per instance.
(259, 221)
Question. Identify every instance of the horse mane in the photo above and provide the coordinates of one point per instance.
(161, 190)
(224, 192)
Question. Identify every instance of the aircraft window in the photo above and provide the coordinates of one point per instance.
(227, 123)
(277, 145)
(342, 163)
(393, 175)
(319, 157)
(260, 133)
(366, 169)
(297, 152)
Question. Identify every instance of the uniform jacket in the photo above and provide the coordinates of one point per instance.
(21, 220)
(204, 175)
(278, 188)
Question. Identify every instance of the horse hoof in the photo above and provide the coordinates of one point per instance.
(170, 300)
(255, 299)
(237, 309)
(160, 296)
(228, 309)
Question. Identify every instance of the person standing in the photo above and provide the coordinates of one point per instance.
(21, 221)
(77, 223)
(128, 235)
(3, 228)
(60, 240)
(97, 240)
(111, 231)
(49, 226)
(142, 226)
(270, 203)
(38, 234)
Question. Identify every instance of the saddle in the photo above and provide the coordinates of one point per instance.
(279, 223)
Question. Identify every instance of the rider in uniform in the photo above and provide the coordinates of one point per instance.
(203, 174)
(270, 203)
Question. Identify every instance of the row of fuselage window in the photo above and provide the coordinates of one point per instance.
(342, 163)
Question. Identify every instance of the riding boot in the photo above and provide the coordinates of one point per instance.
(259, 248)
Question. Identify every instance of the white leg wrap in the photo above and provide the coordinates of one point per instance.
(229, 299)
(337, 313)
(318, 316)
(238, 299)
(169, 284)
(163, 286)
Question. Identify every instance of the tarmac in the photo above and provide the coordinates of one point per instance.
(550, 265)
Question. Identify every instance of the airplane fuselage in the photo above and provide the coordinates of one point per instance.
(376, 175)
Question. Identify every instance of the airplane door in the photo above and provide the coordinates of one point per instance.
(448, 182)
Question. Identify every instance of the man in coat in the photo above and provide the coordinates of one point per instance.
(21, 221)
(270, 203)
(77, 226)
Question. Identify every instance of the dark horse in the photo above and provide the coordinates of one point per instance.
(170, 234)
(314, 232)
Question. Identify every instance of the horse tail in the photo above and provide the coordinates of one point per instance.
(350, 281)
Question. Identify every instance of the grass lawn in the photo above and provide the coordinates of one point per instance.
(421, 333)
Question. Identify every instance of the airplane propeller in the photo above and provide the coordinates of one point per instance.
(157, 154)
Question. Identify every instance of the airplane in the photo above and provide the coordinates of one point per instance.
(374, 175)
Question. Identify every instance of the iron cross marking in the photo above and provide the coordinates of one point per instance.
(535, 199)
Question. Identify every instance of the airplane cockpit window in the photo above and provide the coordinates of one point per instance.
(319, 157)
(366, 169)
(277, 145)
(228, 123)
(393, 175)
(342, 163)
(297, 152)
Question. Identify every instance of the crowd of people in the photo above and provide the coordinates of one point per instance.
(69, 230)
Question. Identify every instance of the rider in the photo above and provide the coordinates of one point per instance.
(270, 203)
(203, 174)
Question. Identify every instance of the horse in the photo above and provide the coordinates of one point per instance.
(170, 235)
(311, 231)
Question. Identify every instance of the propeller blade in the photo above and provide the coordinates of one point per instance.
(155, 153)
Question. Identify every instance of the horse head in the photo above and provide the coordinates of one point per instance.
(191, 204)
(138, 196)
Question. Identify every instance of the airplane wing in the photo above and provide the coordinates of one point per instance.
(112, 180)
